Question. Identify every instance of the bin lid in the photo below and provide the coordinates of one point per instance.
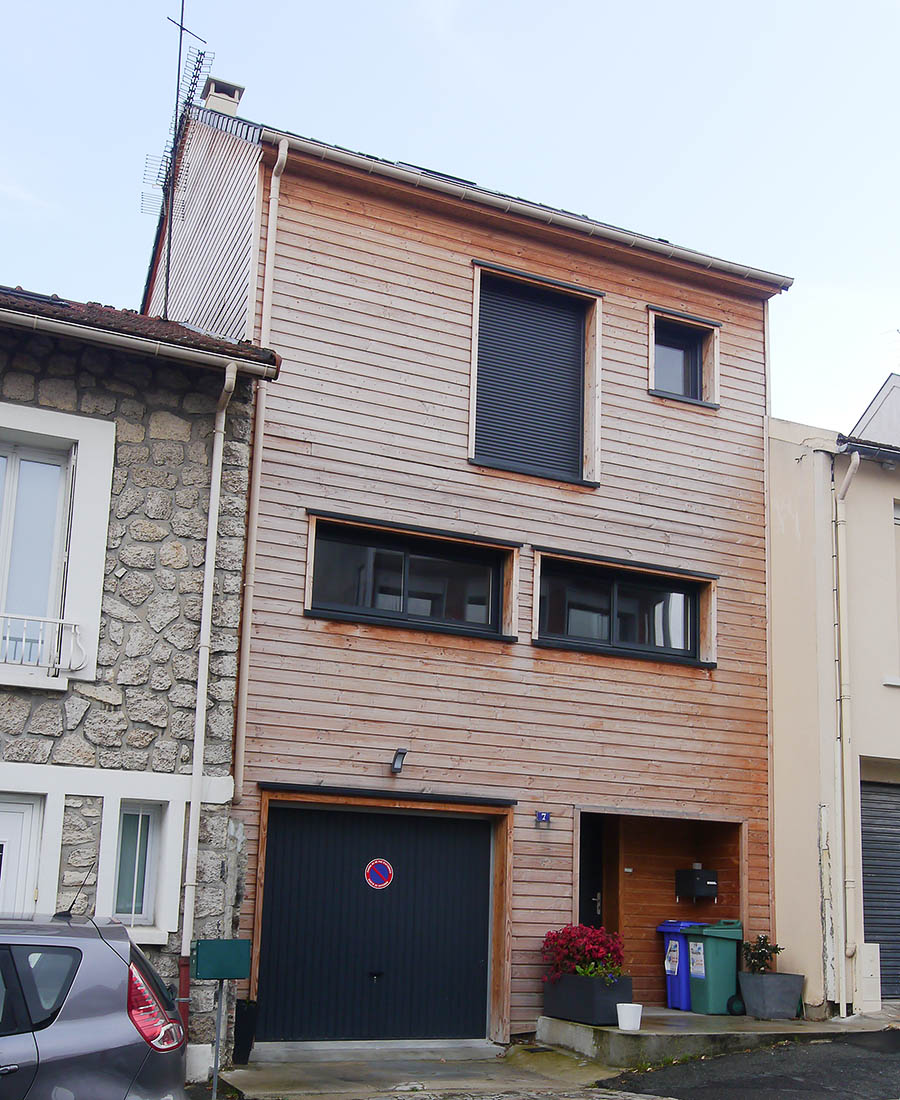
(679, 925)
(725, 930)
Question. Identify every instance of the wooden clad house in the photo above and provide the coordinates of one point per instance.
(505, 666)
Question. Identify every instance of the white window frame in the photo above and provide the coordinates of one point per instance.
(90, 443)
(30, 807)
(153, 812)
(708, 333)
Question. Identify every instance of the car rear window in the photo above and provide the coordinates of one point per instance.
(46, 974)
(149, 972)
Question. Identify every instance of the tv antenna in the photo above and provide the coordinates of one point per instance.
(162, 172)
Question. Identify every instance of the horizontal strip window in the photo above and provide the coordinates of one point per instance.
(361, 573)
(616, 611)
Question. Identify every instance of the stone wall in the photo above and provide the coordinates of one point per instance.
(79, 853)
(139, 713)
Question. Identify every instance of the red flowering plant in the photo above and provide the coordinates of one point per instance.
(580, 949)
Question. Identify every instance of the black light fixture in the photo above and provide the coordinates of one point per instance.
(397, 762)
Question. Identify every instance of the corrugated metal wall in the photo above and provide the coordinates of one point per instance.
(880, 818)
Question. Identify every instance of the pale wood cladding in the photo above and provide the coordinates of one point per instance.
(373, 314)
(213, 237)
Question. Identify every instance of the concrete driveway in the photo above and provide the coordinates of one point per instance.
(525, 1071)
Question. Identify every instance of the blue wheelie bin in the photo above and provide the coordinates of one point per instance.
(678, 976)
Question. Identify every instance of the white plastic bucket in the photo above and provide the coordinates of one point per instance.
(629, 1017)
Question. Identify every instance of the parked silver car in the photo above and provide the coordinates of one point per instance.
(84, 1016)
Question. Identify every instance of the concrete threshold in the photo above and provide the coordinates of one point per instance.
(524, 1072)
(666, 1034)
(382, 1050)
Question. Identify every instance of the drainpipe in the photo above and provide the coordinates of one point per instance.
(844, 794)
(259, 429)
(196, 796)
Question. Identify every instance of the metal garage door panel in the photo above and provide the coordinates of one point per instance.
(341, 960)
(880, 806)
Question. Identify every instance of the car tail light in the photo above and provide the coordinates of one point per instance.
(148, 1015)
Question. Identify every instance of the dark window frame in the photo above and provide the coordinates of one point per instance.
(582, 571)
(42, 1015)
(586, 300)
(689, 340)
(412, 545)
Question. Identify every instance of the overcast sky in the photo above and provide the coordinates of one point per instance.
(763, 132)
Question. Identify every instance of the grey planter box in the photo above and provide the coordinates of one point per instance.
(585, 1000)
(771, 996)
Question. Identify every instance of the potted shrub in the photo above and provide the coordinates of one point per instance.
(583, 978)
(766, 994)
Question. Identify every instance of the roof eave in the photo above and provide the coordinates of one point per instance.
(559, 219)
(139, 345)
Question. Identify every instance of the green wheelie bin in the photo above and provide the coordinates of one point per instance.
(713, 957)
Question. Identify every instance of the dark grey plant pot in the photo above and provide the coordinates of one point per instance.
(585, 1000)
(771, 996)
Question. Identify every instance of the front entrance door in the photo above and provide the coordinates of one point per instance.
(18, 834)
(375, 925)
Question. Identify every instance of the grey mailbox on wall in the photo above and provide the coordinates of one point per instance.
(695, 882)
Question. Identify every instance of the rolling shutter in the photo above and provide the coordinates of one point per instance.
(530, 396)
(880, 813)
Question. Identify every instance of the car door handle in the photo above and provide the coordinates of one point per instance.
(4, 1070)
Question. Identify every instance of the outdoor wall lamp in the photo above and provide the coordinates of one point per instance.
(397, 762)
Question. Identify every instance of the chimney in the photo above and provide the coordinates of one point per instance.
(219, 95)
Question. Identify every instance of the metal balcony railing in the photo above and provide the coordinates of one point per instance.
(32, 642)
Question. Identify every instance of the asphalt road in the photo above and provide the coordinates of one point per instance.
(864, 1066)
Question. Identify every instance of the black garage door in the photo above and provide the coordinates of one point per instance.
(340, 959)
(880, 803)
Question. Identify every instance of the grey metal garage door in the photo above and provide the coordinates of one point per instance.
(880, 809)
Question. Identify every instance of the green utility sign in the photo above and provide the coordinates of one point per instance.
(218, 959)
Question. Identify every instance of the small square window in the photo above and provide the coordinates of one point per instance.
(136, 864)
(683, 358)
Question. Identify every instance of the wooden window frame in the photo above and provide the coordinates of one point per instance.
(704, 588)
(703, 336)
(499, 966)
(507, 575)
(591, 387)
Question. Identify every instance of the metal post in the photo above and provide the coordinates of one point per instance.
(219, 997)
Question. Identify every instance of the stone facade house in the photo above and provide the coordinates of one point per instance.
(115, 785)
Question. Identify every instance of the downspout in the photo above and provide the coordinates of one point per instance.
(844, 796)
(259, 431)
(196, 796)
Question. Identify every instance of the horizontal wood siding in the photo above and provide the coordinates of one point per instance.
(212, 234)
(372, 311)
(653, 849)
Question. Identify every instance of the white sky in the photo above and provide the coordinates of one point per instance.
(764, 132)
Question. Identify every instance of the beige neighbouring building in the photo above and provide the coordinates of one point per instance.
(835, 615)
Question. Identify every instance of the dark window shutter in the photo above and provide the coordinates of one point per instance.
(530, 379)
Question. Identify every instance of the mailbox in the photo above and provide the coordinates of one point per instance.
(220, 959)
(696, 883)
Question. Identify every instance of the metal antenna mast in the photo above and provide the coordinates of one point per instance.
(196, 63)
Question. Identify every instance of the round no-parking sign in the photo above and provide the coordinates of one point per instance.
(379, 874)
